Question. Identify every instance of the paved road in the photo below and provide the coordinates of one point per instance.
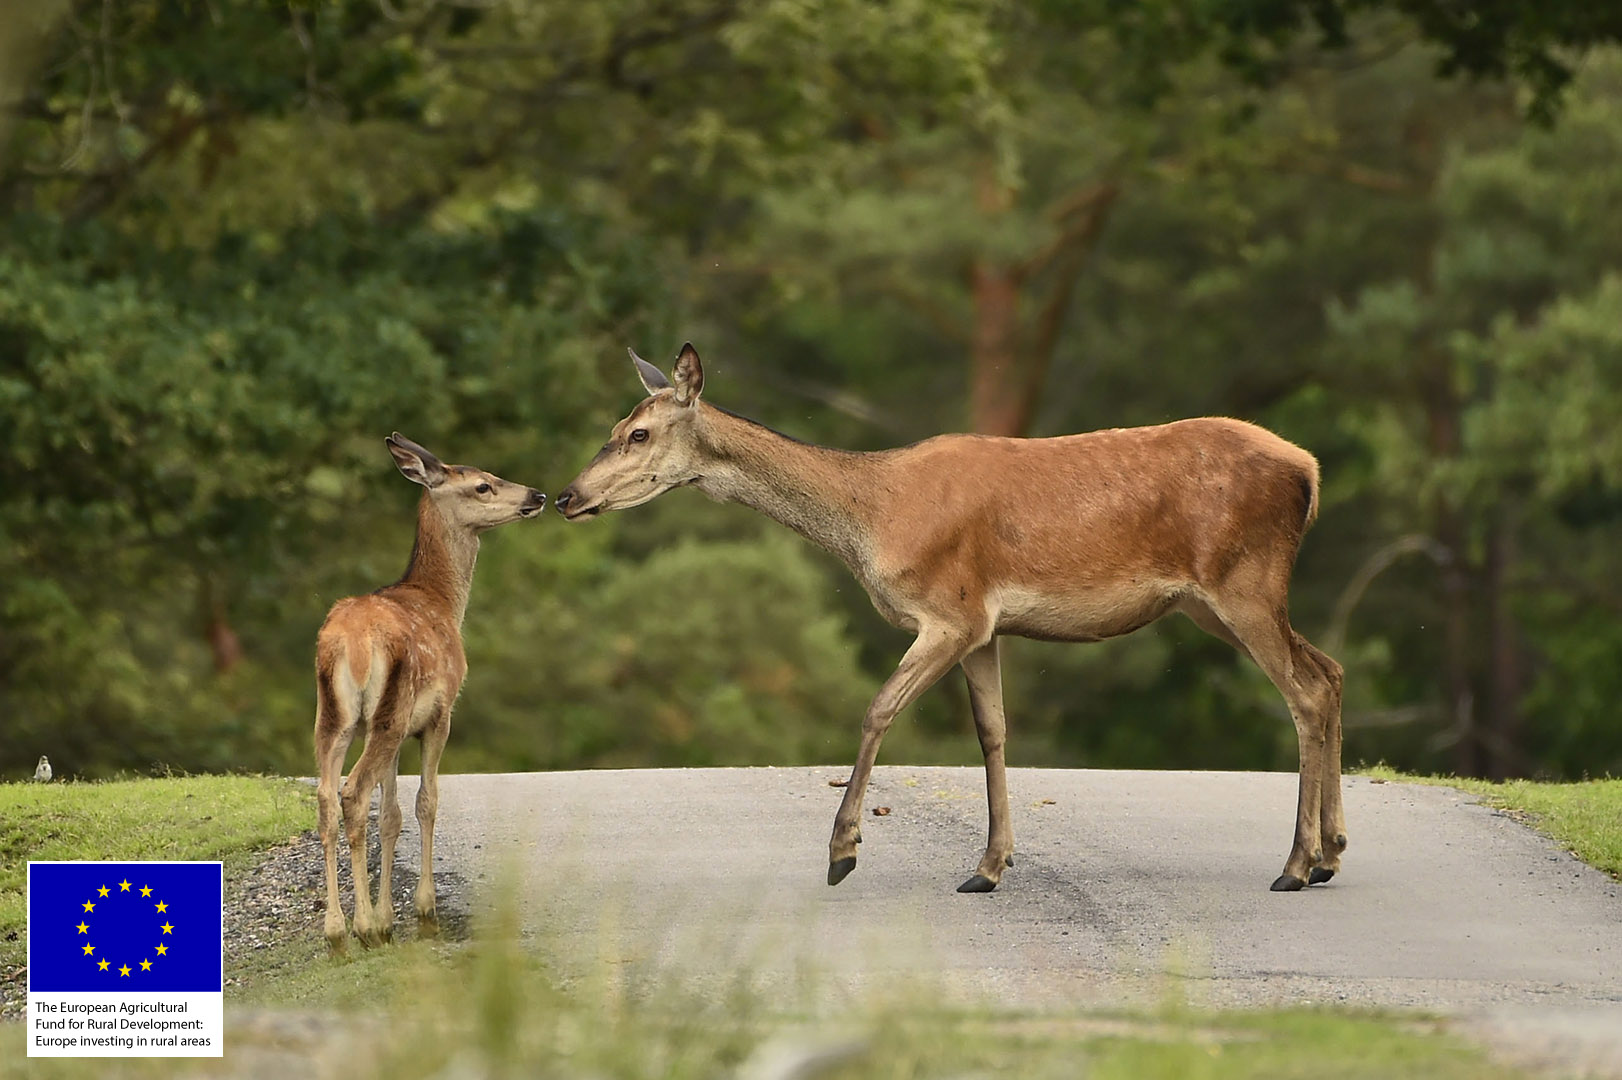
(1120, 877)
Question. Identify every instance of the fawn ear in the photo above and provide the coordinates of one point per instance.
(689, 375)
(653, 380)
(415, 462)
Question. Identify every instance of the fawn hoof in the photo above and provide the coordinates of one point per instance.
(978, 883)
(1287, 883)
(840, 869)
(1319, 875)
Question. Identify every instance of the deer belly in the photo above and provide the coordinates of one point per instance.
(1081, 615)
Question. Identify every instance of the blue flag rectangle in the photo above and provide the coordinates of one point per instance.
(125, 927)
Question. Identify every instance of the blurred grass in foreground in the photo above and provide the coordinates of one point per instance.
(1585, 816)
(490, 1009)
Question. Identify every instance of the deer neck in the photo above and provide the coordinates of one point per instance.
(818, 492)
(442, 558)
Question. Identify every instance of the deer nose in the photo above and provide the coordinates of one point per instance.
(536, 499)
(565, 497)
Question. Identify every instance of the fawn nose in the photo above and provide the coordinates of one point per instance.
(537, 499)
(565, 497)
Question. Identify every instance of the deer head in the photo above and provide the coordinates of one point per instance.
(652, 450)
(467, 497)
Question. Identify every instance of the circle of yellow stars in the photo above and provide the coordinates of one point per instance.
(84, 928)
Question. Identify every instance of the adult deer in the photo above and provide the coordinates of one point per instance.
(390, 664)
(961, 538)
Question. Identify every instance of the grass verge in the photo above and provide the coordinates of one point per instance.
(194, 817)
(1584, 816)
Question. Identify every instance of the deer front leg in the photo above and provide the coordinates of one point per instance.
(931, 655)
(983, 671)
(433, 745)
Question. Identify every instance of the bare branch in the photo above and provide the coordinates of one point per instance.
(1373, 567)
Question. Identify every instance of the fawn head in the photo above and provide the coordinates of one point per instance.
(649, 452)
(468, 497)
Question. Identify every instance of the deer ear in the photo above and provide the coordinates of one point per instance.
(689, 375)
(653, 380)
(414, 462)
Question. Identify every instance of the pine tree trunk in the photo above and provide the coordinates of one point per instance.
(1000, 400)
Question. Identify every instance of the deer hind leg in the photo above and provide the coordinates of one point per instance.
(334, 731)
(1332, 813)
(931, 655)
(1261, 627)
(983, 671)
(388, 828)
(434, 735)
(382, 748)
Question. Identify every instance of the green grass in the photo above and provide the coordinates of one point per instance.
(194, 817)
(1585, 816)
(492, 1008)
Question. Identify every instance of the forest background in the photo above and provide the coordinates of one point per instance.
(241, 241)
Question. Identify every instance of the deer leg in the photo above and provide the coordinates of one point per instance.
(388, 828)
(433, 745)
(1332, 812)
(333, 734)
(983, 671)
(1263, 629)
(356, 798)
(930, 656)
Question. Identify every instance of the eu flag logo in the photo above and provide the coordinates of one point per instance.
(124, 927)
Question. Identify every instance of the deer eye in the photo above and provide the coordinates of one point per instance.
(483, 489)
(639, 435)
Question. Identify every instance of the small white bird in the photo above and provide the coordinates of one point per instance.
(42, 772)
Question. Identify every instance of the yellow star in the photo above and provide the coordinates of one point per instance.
(88, 949)
(162, 906)
(167, 928)
(162, 949)
(146, 965)
(84, 928)
(88, 906)
(124, 969)
(102, 965)
(102, 891)
(124, 886)
(146, 890)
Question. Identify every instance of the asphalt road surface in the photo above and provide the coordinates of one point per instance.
(1125, 885)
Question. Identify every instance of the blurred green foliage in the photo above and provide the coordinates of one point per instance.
(241, 242)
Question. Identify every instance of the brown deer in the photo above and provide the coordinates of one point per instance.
(961, 538)
(390, 664)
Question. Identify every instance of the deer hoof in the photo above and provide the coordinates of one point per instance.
(1008, 860)
(1288, 883)
(1319, 875)
(840, 869)
(337, 946)
(978, 883)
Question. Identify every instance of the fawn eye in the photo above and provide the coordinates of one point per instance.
(483, 489)
(639, 435)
